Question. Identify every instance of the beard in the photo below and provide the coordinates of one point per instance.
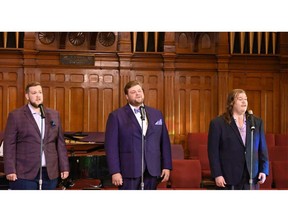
(137, 102)
(33, 104)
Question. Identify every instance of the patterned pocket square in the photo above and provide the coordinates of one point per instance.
(159, 122)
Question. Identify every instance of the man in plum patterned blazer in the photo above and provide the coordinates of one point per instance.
(135, 166)
(30, 164)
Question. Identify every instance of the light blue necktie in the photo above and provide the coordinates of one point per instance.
(136, 110)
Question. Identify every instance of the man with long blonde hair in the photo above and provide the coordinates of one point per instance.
(229, 146)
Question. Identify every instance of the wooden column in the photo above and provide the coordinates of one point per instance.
(156, 41)
(169, 42)
(223, 72)
(283, 82)
(251, 40)
(145, 41)
(125, 75)
(30, 56)
(259, 38)
(5, 35)
(134, 41)
(124, 43)
(169, 96)
(169, 83)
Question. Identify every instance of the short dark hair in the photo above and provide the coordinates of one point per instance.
(32, 84)
(131, 84)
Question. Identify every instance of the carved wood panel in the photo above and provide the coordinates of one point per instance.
(11, 92)
(263, 95)
(84, 97)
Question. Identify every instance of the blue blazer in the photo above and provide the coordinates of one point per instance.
(228, 155)
(123, 143)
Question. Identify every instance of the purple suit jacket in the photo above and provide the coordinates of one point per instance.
(123, 143)
(22, 144)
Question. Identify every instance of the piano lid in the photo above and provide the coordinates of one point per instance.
(84, 142)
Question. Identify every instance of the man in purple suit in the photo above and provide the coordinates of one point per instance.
(29, 162)
(137, 143)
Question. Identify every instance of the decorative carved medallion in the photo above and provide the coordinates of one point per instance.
(76, 38)
(106, 38)
(46, 37)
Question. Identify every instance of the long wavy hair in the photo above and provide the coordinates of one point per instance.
(228, 115)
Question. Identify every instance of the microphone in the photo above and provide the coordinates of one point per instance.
(252, 119)
(143, 113)
(42, 110)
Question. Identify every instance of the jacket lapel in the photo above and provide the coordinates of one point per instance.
(30, 117)
(132, 117)
(47, 123)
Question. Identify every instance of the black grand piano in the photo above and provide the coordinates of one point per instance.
(87, 159)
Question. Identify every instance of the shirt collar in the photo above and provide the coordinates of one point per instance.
(133, 107)
(32, 110)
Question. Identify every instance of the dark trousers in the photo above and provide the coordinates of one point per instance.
(244, 184)
(150, 183)
(25, 184)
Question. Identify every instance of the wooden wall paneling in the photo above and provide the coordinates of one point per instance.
(259, 76)
(224, 49)
(206, 113)
(11, 83)
(85, 99)
(58, 101)
(194, 102)
(54, 89)
(148, 69)
(169, 104)
(193, 109)
(106, 80)
(222, 87)
(12, 92)
(91, 102)
(261, 89)
(283, 96)
(180, 104)
(125, 72)
(283, 87)
(153, 87)
(124, 42)
(109, 94)
(76, 108)
(195, 93)
(276, 112)
(269, 112)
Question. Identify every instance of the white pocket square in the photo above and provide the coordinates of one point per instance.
(159, 122)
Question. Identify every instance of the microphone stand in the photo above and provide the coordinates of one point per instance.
(142, 112)
(251, 164)
(142, 156)
(41, 150)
